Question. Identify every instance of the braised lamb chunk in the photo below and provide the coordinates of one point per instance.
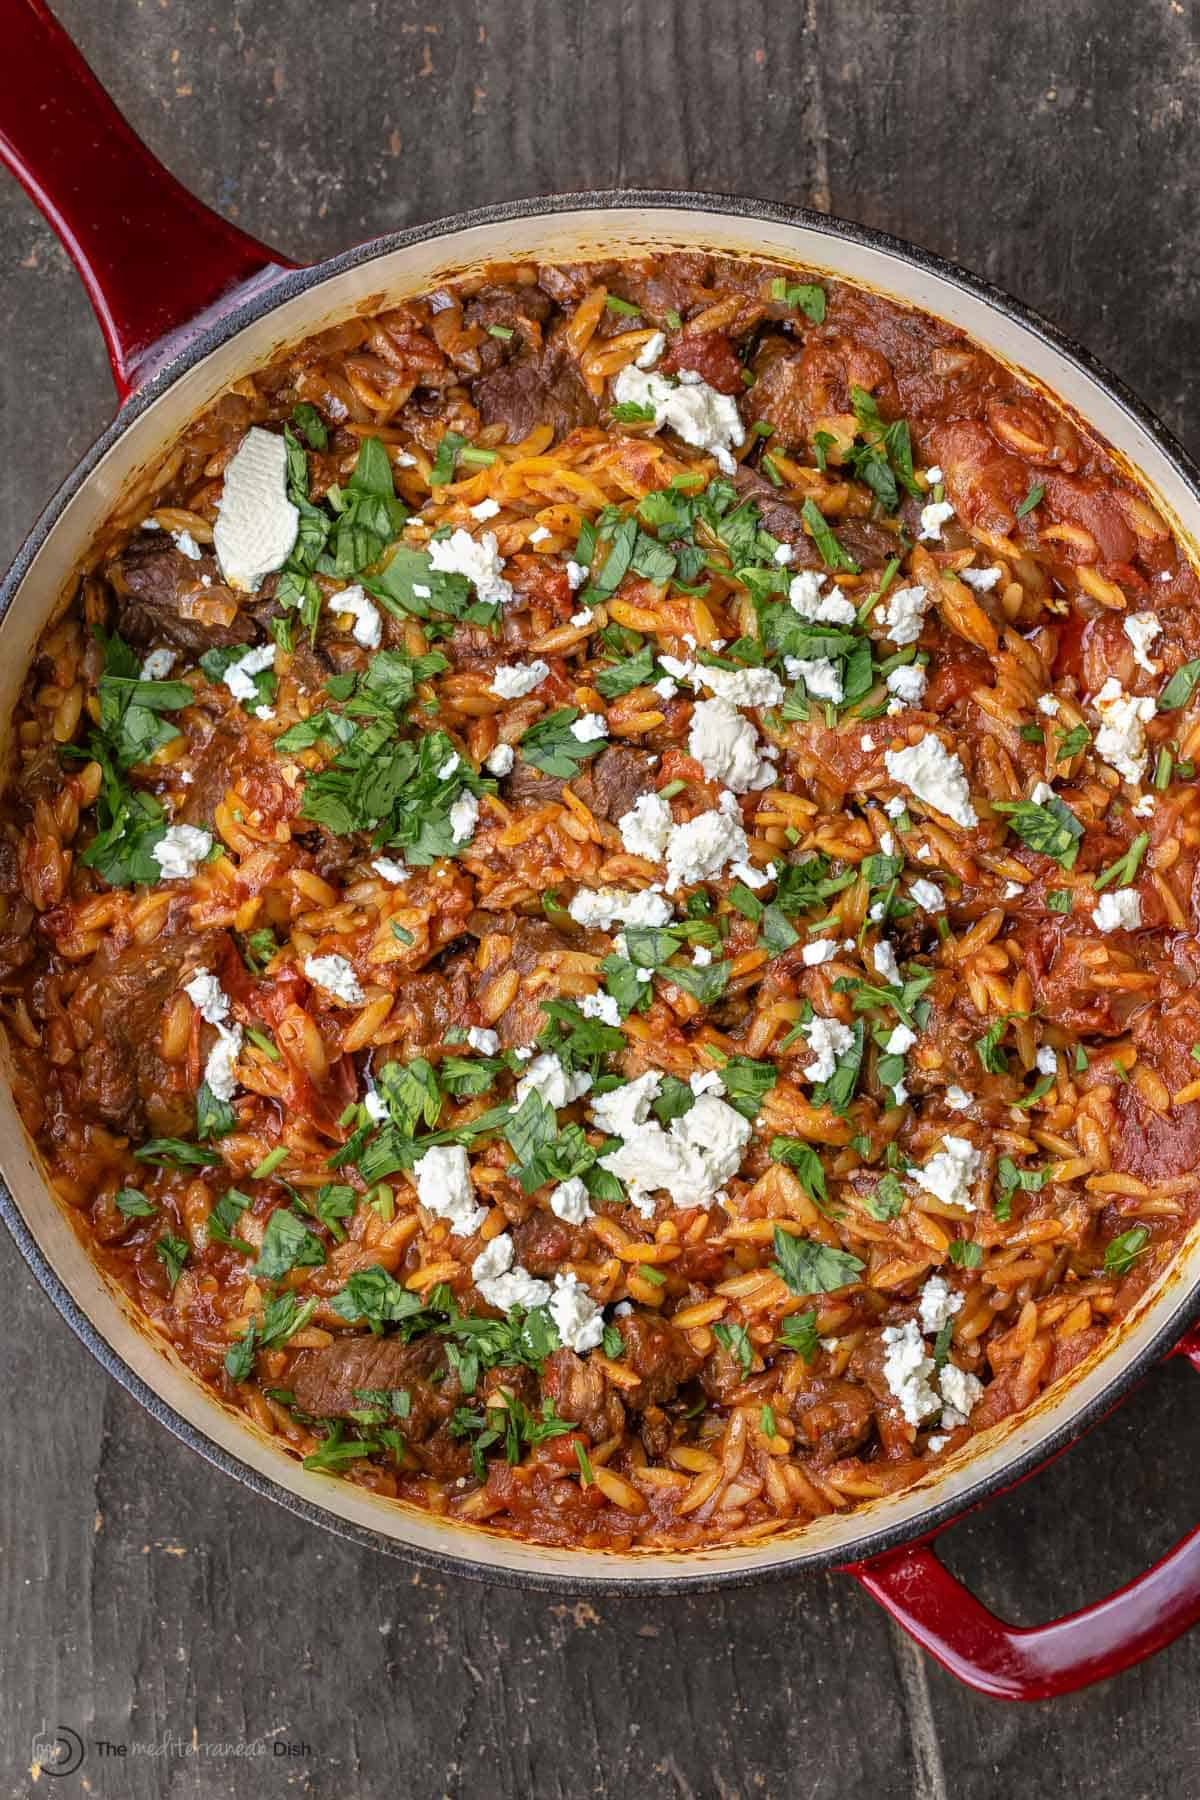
(329, 1383)
(117, 1011)
(659, 1354)
(529, 942)
(615, 781)
(161, 598)
(581, 1394)
(835, 1417)
(870, 545)
(537, 388)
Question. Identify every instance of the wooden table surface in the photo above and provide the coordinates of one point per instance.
(143, 1596)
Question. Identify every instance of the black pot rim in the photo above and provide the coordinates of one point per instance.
(194, 347)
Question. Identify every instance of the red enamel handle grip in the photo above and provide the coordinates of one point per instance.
(1038, 1662)
(153, 259)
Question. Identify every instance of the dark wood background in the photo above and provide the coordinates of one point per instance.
(142, 1595)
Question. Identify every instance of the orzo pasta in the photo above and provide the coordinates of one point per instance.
(597, 898)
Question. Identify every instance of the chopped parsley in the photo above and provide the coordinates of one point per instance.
(1121, 1254)
(811, 1267)
(1049, 827)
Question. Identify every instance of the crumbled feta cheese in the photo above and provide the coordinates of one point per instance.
(692, 409)
(512, 681)
(605, 907)
(935, 775)
(751, 877)
(1121, 739)
(212, 1003)
(391, 871)
(904, 613)
(982, 580)
(1042, 792)
(222, 1062)
(784, 554)
(208, 997)
(821, 676)
(1143, 808)
(743, 687)
(335, 975)
(938, 1304)
(961, 1392)
(651, 350)
(517, 1288)
(646, 827)
(256, 522)
(464, 816)
(158, 665)
(823, 950)
(1046, 1061)
(1013, 890)
(478, 559)
(480, 1038)
(957, 1099)
(867, 742)
(187, 545)
(368, 624)
(486, 509)
(576, 575)
(500, 760)
(1048, 704)
(621, 1110)
(589, 728)
(934, 476)
(582, 617)
(494, 1259)
(933, 517)
(546, 1076)
(706, 1081)
(700, 849)
(569, 1201)
(238, 677)
(806, 597)
(447, 769)
(539, 534)
(579, 1320)
(666, 689)
(827, 1039)
(602, 1007)
(886, 966)
(1119, 910)
(907, 683)
(374, 1105)
(907, 1369)
(950, 1174)
(901, 1040)
(181, 850)
(928, 895)
(692, 1159)
(726, 745)
(887, 844)
(1142, 628)
(896, 807)
(443, 1178)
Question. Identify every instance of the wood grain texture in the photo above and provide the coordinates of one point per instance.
(142, 1595)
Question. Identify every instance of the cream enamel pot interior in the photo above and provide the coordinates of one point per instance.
(242, 329)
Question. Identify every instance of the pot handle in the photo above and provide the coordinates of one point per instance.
(156, 263)
(1037, 1662)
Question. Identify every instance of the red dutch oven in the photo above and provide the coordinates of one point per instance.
(187, 304)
